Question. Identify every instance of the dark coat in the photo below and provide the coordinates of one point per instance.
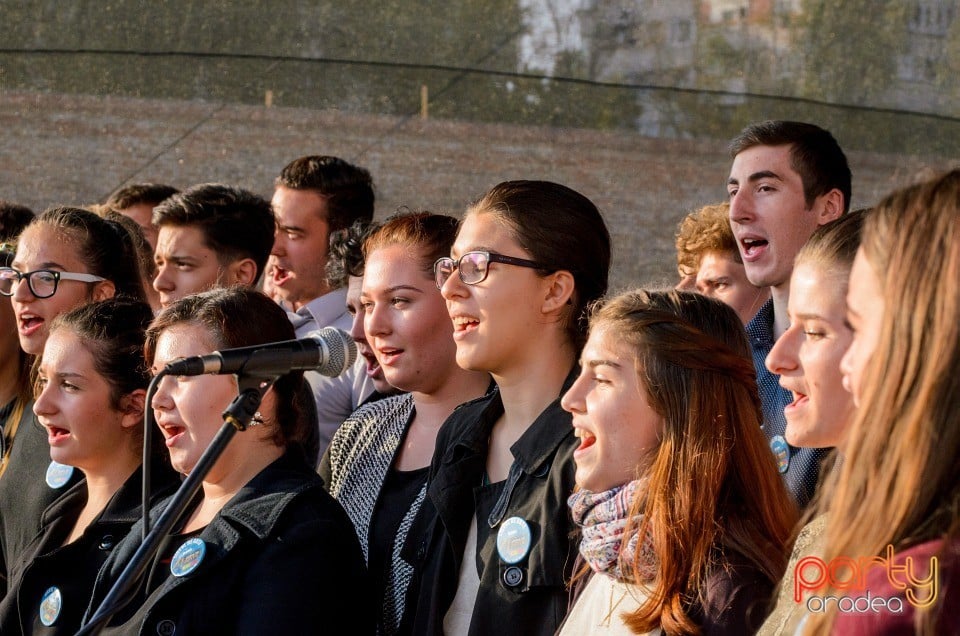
(24, 493)
(281, 558)
(542, 477)
(46, 562)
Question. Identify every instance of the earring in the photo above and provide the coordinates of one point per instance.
(257, 419)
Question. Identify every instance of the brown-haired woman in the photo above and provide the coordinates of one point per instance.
(376, 465)
(92, 384)
(896, 498)
(684, 517)
(263, 549)
(528, 258)
(64, 258)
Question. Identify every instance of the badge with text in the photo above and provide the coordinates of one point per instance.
(50, 606)
(781, 450)
(58, 474)
(513, 540)
(188, 557)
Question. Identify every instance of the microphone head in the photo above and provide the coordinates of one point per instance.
(339, 351)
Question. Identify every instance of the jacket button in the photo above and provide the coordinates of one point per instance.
(166, 628)
(107, 542)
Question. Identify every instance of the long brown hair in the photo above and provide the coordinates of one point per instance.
(713, 486)
(900, 482)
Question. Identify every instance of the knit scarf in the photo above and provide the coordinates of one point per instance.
(603, 518)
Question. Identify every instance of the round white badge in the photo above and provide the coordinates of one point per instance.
(513, 540)
(50, 606)
(58, 474)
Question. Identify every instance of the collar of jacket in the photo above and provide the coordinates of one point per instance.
(534, 448)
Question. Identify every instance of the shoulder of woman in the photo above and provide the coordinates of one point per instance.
(735, 597)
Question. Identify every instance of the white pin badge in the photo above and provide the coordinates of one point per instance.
(58, 474)
(513, 540)
(50, 606)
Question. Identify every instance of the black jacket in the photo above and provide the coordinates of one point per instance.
(281, 558)
(24, 493)
(542, 476)
(47, 563)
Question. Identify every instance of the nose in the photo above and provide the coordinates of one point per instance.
(846, 367)
(21, 291)
(784, 356)
(375, 321)
(163, 281)
(163, 398)
(279, 244)
(44, 404)
(741, 209)
(356, 327)
(572, 401)
(453, 287)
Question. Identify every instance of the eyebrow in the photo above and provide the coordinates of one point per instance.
(593, 364)
(476, 248)
(395, 288)
(757, 176)
(289, 228)
(44, 265)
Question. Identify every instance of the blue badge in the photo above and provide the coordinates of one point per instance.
(50, 606)
(58, 474)
(188, 557)
(513, 540)
(781, 450)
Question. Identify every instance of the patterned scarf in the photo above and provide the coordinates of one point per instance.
(602, 518)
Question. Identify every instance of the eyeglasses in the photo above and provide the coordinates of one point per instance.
(42, 282)
(473, 267)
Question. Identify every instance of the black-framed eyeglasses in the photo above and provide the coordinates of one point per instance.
(473, 267)
(42, 283)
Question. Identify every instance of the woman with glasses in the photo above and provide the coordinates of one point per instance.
(376, 465)
(92, 383)
(66, 257)
(492, 545)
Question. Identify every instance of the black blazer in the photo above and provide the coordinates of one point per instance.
(47, 563)
(281, 558)
(541, 479)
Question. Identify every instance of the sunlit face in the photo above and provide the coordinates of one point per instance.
(83, 428)
(720, 276)
(188, 409)
(865, 310)
(494, 320)
(300, 245)
(185, 265)
(373, 369)
(43, 247)
(768, 213)
(406, 320)
(612, 417)
(807, 359)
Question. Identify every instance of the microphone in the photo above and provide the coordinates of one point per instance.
(329, 351)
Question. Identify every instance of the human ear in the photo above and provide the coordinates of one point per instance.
(104, 290)
(243, 272)
(132, 406)
(831, 207)
(559, 291)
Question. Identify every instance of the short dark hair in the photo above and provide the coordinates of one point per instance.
(139, 193)
(13, 218)
(814, 154)
(346, 188)
(345, 255)
(236, 223)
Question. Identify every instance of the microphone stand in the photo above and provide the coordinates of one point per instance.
(236, 417)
